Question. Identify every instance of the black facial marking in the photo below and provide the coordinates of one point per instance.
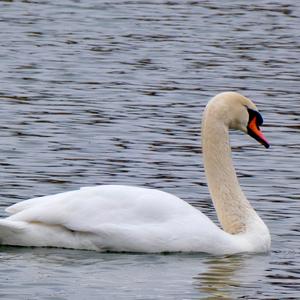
(255, 113)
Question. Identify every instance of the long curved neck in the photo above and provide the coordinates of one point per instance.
(232, 207)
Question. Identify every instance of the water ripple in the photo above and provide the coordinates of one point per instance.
(112, 92)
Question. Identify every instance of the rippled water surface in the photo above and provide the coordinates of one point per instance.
(96, 92)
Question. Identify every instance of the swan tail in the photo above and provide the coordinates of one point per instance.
(9, 230)
(35, 234)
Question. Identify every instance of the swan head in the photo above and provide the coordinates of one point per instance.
(238, 112)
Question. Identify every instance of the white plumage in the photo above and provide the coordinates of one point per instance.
(134, 219)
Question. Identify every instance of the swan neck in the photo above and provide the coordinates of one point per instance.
(232, 207)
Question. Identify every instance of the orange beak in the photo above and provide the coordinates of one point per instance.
(255, 132)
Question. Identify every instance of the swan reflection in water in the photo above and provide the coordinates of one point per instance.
(230, 277)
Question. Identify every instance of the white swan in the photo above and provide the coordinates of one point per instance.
(134, 219)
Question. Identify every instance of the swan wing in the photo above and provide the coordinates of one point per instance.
(30, 203)
(111, 217)
(23, 205)
(89, 207)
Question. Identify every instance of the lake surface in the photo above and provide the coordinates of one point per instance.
(101, 92)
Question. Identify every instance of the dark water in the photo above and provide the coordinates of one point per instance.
(97, 92)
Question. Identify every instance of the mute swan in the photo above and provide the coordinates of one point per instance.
(134, 219)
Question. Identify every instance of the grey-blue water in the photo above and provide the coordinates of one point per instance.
(96, 92)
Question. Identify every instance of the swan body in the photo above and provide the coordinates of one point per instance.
(134, 219)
